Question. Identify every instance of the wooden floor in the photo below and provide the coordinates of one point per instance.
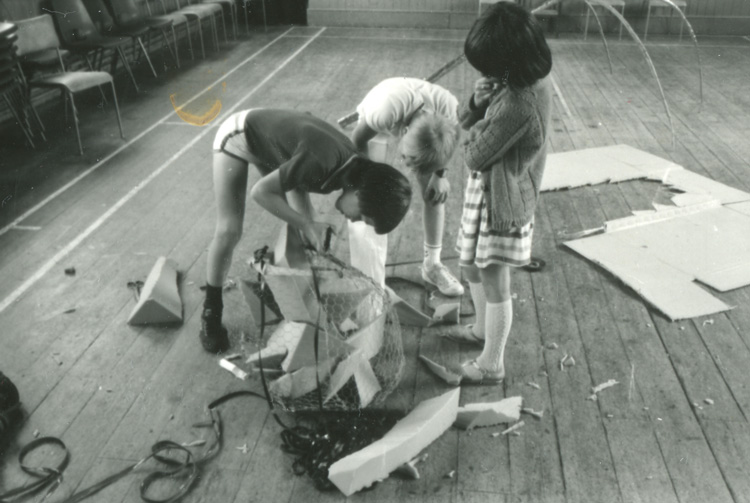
(110, 390)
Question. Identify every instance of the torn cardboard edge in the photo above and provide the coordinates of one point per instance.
(441, 371)
(422, 426)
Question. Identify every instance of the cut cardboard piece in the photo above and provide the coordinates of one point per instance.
(358, 367)
(159, 301)
(302, 381)
(368, 250)
(293, 291)
(408, 314)
(268, 357)
(663, 286)
(298, 341)
(234, 369)
(447, 313)
(443, 373)
(477, 415)
(289, 250)
(611, 164)
(412, 434)
(253, 301)
(340, 299)
(369, 339)
(693, 183)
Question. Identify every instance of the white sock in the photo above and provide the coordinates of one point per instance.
(498, 320)
(432, 255)
(480, 308)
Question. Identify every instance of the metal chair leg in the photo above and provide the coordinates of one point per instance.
(117, 110)
(145, 54)
(75, 120)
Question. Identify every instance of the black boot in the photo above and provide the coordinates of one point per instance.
(10, 406)
(213, 335)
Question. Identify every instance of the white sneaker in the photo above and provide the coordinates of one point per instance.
(439, 276)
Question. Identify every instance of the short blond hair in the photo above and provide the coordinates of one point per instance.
(430, 140)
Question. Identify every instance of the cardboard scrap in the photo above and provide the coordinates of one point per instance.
(270, 357)
(408, 314)
(302, 381)
(301, 346)
(408, 437)
(357, 366)
(293, 291)
(160, 300)
(447, 313)
(369, 339)
(596, 389)
(234, 369)
(289, 250)
(477, 415)
(442, 372)
(513, 428)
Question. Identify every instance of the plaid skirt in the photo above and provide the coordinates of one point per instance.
(480, 245)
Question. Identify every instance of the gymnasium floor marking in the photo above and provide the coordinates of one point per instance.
(120, 149)
(18, 292)
(559, 94)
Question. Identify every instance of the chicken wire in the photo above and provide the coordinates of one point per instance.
(360, 355)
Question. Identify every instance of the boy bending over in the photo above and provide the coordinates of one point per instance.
(423, 116)
(297, 154)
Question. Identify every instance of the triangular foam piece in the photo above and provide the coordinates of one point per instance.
(160, 300)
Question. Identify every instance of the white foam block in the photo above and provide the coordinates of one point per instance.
(302, 381)
(408, 437)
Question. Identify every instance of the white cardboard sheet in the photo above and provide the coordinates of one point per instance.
(592, 166)
(661, 253)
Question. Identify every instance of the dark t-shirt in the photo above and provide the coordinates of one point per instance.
(307, 151)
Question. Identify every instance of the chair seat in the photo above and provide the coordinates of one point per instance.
(73, 81)
(43, 58)
(202, 8)
(176, 18)
(682, 4)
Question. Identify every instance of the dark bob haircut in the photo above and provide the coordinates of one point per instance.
(384, 192)
(508, 44)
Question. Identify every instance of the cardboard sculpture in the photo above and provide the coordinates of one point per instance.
(159, 301)
(477, 415)
(270, 357)
(359, 351)
(252, 294)
(443, 373)
(409, 436)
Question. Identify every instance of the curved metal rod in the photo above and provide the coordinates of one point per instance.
(695, 44)
(646, 55)
(601, 32)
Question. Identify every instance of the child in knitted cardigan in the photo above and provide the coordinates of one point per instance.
(507, 117)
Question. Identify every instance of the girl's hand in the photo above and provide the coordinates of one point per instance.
(484, 89)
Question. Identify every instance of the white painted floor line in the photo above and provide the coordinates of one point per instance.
(559, 94)
(26, 228)
(18, 292)
(106, 159)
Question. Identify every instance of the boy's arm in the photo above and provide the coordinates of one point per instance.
(268, 193)
(361, 135)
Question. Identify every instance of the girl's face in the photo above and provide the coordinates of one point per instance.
(348, 205)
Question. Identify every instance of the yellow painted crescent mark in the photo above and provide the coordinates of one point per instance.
(197, 120)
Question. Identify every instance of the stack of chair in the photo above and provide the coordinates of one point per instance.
(11, 82)
(41, 59)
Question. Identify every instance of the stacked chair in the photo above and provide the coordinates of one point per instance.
(11, 82)
(34, 52)
(37, 40)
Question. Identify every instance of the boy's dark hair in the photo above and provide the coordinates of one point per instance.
(507, 43)
(384, 192)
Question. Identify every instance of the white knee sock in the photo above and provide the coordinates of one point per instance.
(480, 308)
(499, 318)
(432, 255)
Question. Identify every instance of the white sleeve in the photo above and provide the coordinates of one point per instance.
(387, 104)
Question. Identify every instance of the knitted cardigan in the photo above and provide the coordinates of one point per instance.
(507, 141)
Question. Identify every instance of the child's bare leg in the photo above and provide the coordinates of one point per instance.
(433, 223)
(478, 298)
(498, 317)
(230, 190)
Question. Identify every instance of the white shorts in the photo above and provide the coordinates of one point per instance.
(230, 138)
